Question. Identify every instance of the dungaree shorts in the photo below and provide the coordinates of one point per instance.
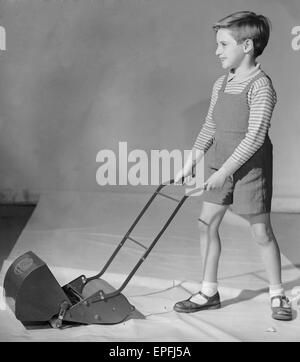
(249, 189)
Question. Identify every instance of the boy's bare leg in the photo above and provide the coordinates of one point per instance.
(210, 245)
(264, 236)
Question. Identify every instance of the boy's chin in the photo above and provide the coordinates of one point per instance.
(225, 65)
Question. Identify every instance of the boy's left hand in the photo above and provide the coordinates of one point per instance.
(216, 180)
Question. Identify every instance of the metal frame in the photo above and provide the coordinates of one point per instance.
(77, 284)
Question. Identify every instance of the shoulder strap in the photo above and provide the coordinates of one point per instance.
(249, 85)
(222, 89)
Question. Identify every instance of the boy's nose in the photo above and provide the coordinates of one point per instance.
(218, 51)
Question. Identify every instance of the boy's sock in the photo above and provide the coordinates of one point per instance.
(274, 290)
(207, 288)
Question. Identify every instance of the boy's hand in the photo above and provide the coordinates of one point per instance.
(216, 180)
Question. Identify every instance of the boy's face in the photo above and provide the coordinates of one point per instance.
(228, 50)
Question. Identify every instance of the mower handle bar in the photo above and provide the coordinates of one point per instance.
(127, 236)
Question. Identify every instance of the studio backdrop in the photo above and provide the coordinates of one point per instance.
(78, 77)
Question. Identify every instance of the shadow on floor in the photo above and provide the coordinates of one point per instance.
(13, 219)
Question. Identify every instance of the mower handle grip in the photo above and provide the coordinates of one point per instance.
(172, 181)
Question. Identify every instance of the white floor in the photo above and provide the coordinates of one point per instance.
(75, 233)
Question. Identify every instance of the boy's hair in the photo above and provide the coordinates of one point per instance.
(247, 25)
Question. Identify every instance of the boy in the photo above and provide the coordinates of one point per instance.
(239, 157)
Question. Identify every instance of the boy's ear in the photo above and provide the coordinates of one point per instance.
(248, 45)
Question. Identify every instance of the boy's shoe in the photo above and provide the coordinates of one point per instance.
(187, 306)
(284, 311)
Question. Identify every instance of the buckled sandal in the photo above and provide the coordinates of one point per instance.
(187, 306)
(282, 312)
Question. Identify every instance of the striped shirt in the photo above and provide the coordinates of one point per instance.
(261, 99)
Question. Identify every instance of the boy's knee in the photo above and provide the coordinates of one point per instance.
(262, 234)
(210, 218)
(203, 225)
(206, 227)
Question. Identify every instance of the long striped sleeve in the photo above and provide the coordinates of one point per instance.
(205, 137)
(261, 100)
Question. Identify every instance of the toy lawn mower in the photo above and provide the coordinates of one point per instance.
(34, 295)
